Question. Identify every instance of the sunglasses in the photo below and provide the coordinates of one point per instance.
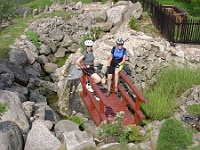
(88, 46)
(119, 44)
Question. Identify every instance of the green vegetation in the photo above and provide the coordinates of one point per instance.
(9, 34)
(133, 23)
(194, 109)
(7, 9)
(3, 108)
(173, 136)
(171, 83)
(92, 35)
(190, 6)
(195, 147)
(61, 61)
(38, 3)
(77, 120)
(123, 134)
(84, 1)
(34, 37)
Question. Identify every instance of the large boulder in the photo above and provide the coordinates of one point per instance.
(6, 77)
(10, 136)
(20, 75)
(14, 110)
(40, 138)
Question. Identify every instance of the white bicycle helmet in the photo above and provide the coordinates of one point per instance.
(120, 41)
(89, 43)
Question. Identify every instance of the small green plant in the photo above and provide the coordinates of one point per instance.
(173, 136)
(34, 37)
(133, 23)
(123, 134)
(135, 135)
(112, 129)
(94, 33)
(3, 108)
(194, 109)
(77, 120)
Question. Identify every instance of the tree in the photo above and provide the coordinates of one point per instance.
(7, 9)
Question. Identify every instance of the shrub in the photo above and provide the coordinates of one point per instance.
(34, 37)
(77, 120)
(133, 23)
(94, 33)
(173, 136)
(123, 134)
(3, 108)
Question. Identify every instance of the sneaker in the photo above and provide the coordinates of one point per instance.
(108, 93)
(89, 87)
(95, 96)
(116, 89)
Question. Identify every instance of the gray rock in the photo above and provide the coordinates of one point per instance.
(20, 75)
(14, 110)
(77, 140)
(10, 136)
(6, 77)
(40, 138)
(65, 126)
(50, 67)
(18, 57)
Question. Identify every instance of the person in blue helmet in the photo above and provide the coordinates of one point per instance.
(115, 62)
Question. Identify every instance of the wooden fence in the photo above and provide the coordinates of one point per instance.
(175, 28)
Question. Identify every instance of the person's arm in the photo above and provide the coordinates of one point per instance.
(123, 60)
(79, 61)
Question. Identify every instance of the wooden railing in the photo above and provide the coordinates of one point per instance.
(93, 103)
(138, 115)
(126, 98)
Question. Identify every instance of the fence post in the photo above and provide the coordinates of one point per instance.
(137, 107)
(84, 93)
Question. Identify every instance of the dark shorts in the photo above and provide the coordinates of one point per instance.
(89, 71)
(114, 62)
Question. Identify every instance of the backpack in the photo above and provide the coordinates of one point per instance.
(113, 50)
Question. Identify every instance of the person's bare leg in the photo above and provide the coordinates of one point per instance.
(116, 76)
(96, 77)
(109, 78)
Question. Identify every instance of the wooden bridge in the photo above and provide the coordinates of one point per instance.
(108, 107)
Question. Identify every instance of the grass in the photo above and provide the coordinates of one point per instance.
(145, 25)
(173, 136)
(9, 34)
(171, 83)
(3, 108)
(61, 61)
(36, 3)
(195, 148)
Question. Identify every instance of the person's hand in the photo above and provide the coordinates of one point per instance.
(85, 67)
(117, 66)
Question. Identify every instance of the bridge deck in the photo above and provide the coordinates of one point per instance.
(113, 106)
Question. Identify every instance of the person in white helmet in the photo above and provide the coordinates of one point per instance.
(86, 62)
(115, 63)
